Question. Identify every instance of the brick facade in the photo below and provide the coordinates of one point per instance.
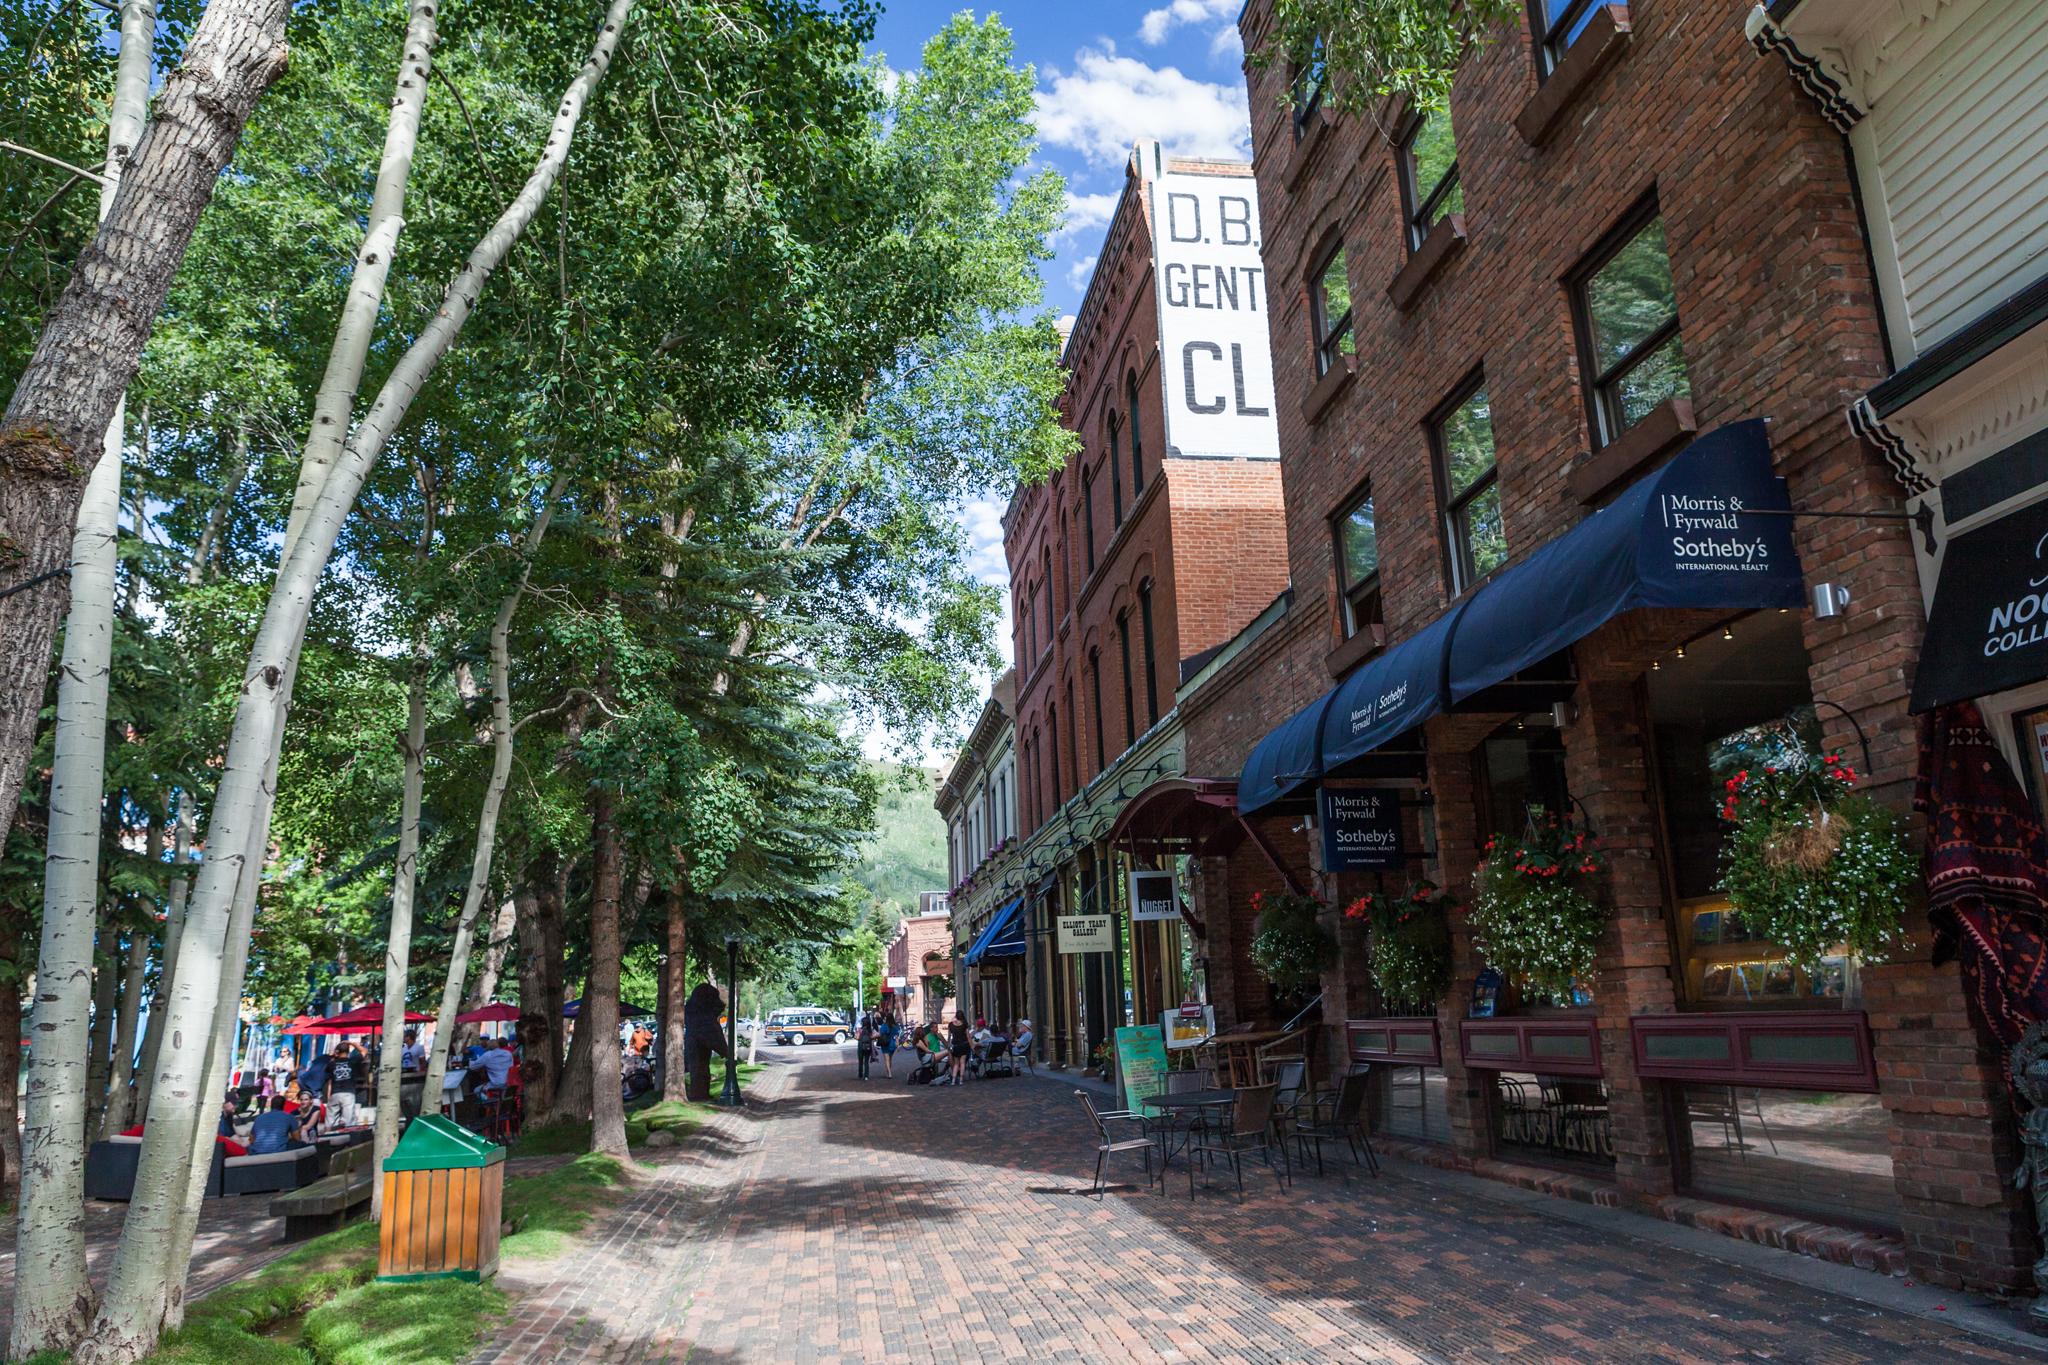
(1778, 319)
(921, 950)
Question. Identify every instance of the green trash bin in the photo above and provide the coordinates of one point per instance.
(444, 1196)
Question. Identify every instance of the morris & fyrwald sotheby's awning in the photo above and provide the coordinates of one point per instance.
(1002, 936)
(1685, 536)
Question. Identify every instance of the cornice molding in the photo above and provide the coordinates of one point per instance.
(1825, 82)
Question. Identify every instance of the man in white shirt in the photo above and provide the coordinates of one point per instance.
(497, 1064)
(414, 1057)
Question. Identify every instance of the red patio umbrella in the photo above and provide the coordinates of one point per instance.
(362, 1019)
(302, 1025)
(497, 1012)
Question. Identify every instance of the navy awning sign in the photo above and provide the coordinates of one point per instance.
(1989, 627)
(1000, 937)
(1685, 536)
(1688, 535)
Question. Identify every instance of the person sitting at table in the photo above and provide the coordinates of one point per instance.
(1020, 1037)
(228, 1111)
(275, 1130)
(310, 1112)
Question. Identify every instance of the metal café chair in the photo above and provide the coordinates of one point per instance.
(1346, 1121)
(1251, 1132)
(1107, 1146)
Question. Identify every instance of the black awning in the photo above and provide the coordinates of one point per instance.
(1989, 627)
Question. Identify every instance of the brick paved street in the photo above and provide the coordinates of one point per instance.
(837, 1221)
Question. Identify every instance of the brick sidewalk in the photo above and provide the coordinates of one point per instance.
(837, 1221)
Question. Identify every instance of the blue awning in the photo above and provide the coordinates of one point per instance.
(1288, 758)
(984, 942)
(1681, 537)
(1395, 691)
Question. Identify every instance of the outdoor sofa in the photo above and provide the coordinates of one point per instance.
(110, 1170)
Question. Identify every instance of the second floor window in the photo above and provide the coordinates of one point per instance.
(1116, 477)
(1123, 644)
(1095, 704)
(1311, 76)
(1473, 534)
(1151, 656)
(1630, 315)
(1088, 515)
(1330, 312)
(1137, 436)
(1048, 599)
(1559, 24)
(1358, 566)
(1430, 191)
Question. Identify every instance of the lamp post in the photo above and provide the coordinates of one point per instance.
(731, 1094)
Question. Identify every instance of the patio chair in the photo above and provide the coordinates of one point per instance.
(1020, 1054)
(1346, 1121)
(1290, 1080)
(1177, 1122)
(1106, 1146)
(1000, 1061)
(1251, 1132)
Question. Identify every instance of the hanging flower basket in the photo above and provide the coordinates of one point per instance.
(1410, 945)
(1533, 911)
(1289, 946)
(1810, 864)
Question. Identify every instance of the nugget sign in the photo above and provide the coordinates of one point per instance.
(1214, 351)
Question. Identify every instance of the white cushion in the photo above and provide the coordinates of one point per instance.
(267, 1158)
(122, 1137)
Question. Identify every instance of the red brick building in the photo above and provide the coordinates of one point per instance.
(1151, 548)
(1506, 339)
(919, 955)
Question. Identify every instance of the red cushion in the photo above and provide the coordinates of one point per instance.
(232, 1147)
(136, 1131)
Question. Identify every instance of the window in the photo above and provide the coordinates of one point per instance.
(1116, 478)
(1330, 311)
(1137, 436)
(1088, 514)
(1123, 642)
(1630, 332)
(1311, 78)
(1358, 566)
(1558, 25)
(1473, 533)
(1095, 688)
(1151, 665)
(1052, 728)
(1430, 191)
(1048, 599)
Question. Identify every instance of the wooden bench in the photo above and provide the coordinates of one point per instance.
(331, 1201)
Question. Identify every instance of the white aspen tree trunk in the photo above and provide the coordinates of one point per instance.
(153, 1242)
(92, 338)
(398, 945)
(754, 1039)
(53, 1299)
(502, 734)
(174, 931)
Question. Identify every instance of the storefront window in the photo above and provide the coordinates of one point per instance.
(1736, 698)
(1555, 1118)
(2030, 733)
(1409, 1102)
(1805, 1151)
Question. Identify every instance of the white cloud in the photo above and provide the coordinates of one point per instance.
(1227, 44)
(1159, 23)
(1108, 102)
(1078, 273)
(1085, 211)
(983, 521)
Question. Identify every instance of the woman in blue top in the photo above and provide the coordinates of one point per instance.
(885, 1039)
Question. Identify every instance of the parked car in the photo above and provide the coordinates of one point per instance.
(794, 1028)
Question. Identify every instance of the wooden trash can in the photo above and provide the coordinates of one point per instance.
(444, 1196)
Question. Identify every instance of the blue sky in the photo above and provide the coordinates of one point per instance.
(1109, 72)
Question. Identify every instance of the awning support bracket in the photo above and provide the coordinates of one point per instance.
(1921, 519)
(1273, 857)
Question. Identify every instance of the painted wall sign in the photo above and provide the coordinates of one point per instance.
(1215, 352)
(1154, 896)
(1361, 828)
(1085, 934)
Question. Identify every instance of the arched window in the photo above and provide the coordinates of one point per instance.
(1151, 657)
(1048, 597)
(1052, 729)
(1095, 704)
(1137, 435)
(1123, 643)
(1116, 477)
(1088, 515)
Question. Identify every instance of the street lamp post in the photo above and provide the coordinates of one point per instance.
(731, 1095)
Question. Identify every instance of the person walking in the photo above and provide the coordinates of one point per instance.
(887, 1030)
(864, 1040)
(960, 1044)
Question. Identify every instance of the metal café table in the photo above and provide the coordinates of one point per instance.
(1175, 1103)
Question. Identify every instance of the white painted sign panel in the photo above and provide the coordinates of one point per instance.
(1215, 352)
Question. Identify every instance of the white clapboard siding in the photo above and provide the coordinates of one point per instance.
(1962, 146)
